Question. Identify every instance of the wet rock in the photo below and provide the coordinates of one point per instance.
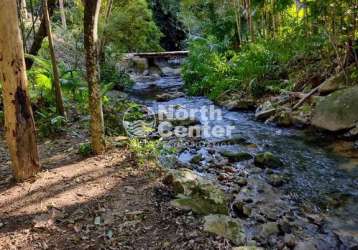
(234, 140)
(337, 111)
(264, 111)
(194, 193)
(229, 169)
(170, 71)
(267, 159)
(300, 119)
(290, 240)
(226, 227)
(241, 209)
(196, 159)
(236, 156)
(353, 132)
(268, 229)
(168, 96)
(283, 119)
(241, 181)
(276, 180)
(223, 177)
(306, 245)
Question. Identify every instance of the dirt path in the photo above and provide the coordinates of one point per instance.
(103, 202)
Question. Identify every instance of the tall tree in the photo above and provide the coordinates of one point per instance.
(91, 43)
(63, 14)
(40, 34)
(56, 75)
(19, 121)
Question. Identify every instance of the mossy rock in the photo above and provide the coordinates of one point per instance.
(337, 111)
(226, 227)
(194, 193)
(267, 159)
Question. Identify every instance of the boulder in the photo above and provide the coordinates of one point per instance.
(337, 111)
(193, 193)
(226, 227)
(267, 159)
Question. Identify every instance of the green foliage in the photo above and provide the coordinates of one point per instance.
(49, 122)
(131, 28)
(85, 149)
(145, 150)
(258, 68)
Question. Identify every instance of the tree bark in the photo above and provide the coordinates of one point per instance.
(19, 121)
(91, 43)
(40, 35)
(63, 15)
(56, 75)
(103, 41)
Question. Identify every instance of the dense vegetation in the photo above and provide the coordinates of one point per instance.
(262, 47)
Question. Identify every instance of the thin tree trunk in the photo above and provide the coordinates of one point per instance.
(56, 75)
(103, 41)
(63, 15)
(40, 35)
(19, 121)
(238, 17)
(23, 9)
(91, 13)
(249, 20)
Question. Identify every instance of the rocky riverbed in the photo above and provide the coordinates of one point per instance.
(264, 186)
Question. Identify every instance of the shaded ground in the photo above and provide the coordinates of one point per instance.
(103, 202)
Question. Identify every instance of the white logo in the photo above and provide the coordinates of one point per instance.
(139, 121)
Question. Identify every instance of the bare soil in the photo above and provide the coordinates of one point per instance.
(101, 202)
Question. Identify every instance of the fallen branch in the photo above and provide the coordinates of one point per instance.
(299, 104)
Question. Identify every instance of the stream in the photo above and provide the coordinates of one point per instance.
(321, 192)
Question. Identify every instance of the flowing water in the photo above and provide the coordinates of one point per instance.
(317, 174)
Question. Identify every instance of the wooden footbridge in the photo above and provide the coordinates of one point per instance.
(166, 54)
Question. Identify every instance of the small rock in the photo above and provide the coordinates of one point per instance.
(267, 159)
(241, 181)
(290, 240)
(196, 159)
(305, 245)
(242, 210)
(268, 229)
(276, 180)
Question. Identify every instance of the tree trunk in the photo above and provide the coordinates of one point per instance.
(103, 41)
(40, 35)
(63, 15)
(23, 8)
(19, 122)
(56, 75)
(91, 13)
